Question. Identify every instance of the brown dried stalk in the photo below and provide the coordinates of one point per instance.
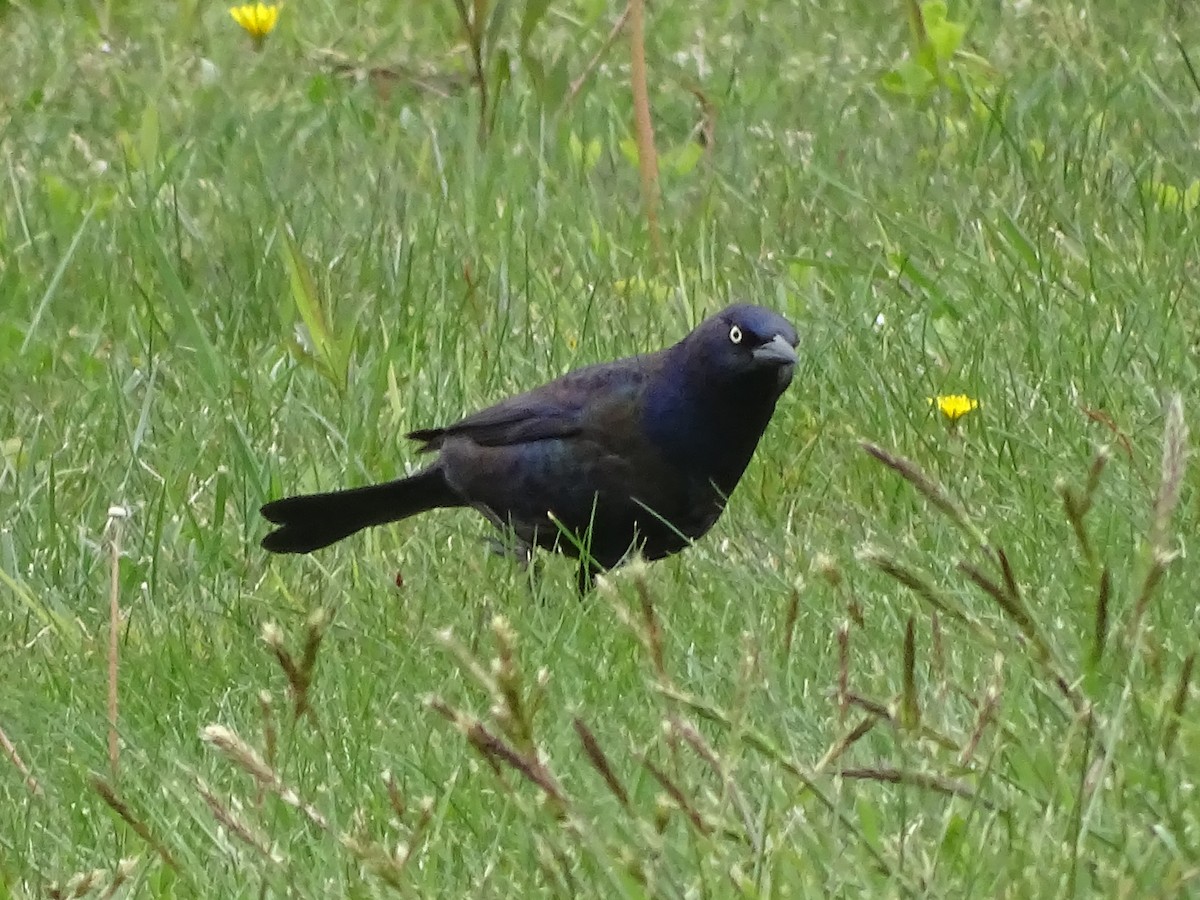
(140, 828)
(643, 123)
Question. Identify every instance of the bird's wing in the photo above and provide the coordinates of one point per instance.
(514, 421)
(560, 409)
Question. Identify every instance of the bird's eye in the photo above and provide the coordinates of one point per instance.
(735, 335)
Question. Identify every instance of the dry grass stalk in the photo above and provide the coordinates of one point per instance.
(599, 761)
(1100, 629)
(468, 661)
(928, 488)
(910, 706)
(643, 124)
(705, 131)
(843, 685)
(652, 630)
(556, 866)
(513, 707)
(692, 737)
(581, 79)
(513, 713)
(242, 755)
(1011, 587)
(235, 825)
(1077, 506)
(314, 632)
(299, 673)
(120, 875)
(875, 708)
(987, 712)
(748, 675)
(1073, 508)
(382, 864)
(1172, 470)
(78, 885)
(1010, 603)
(914, 582)
(384, 79)
(1103, 418)
(705, 709)
(680, 800)
(1008, 598)
(844, 743)
(82, 884)
(493, 748)
(1174, 464)
(270, 736)
(1007, 594)
(474, 19)
(1182, 688)
(425, 816)
(881, 711)
(789, 623)
(270, 730)
(762, 744)
(395, 795)
(1154, 575)
(10, 750)
(923, 780)
(116, 519)
(140, 828)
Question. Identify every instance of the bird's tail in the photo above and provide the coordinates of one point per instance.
(313, 521)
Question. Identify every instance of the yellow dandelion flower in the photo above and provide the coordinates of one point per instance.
(954, 406)
(257, 19)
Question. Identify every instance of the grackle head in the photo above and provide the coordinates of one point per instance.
(742, 340)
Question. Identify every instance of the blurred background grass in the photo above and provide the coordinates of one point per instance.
(1007, 211)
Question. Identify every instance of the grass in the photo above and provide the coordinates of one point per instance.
(959, 664)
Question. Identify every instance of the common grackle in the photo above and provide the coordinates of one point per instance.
(641, 452)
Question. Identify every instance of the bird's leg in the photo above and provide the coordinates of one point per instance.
(507, 543)
(513, 548)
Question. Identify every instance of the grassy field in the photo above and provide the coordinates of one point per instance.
(959, 666)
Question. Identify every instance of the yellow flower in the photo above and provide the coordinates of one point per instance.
(954, 406)
(257, 19)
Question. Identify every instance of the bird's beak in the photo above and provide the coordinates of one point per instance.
(777, 351)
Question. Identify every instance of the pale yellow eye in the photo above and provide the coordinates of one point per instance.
(735, 335)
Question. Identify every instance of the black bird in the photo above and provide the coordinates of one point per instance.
(641, 452)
